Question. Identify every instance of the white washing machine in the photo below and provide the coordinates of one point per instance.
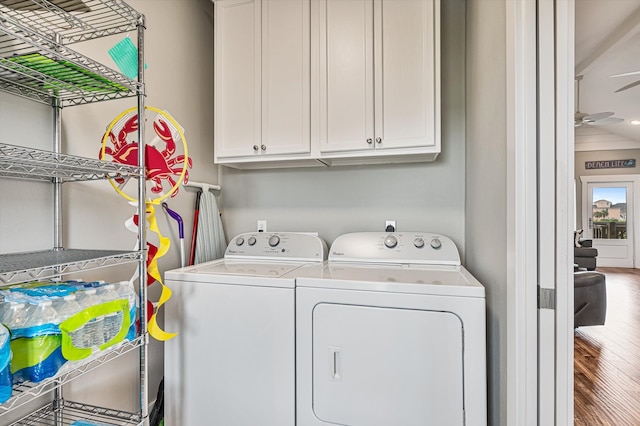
(233, 361)
(390, 331)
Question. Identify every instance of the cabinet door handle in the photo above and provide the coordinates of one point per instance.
(255, 148)
(263, 147)
(378, 140)
(369, 141)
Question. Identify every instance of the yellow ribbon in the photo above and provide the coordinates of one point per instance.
(152, 269)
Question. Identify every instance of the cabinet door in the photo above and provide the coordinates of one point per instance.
(237, 68)
(346, 75)
(406, 70)
(262, 77)
(286, 84)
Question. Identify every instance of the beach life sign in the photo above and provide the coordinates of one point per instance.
(610, 164)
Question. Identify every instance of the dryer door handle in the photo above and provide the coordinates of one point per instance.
(335, 362)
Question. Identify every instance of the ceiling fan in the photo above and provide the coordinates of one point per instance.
(597, 119)
(628, 86)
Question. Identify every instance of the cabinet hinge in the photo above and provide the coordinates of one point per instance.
(546, 298)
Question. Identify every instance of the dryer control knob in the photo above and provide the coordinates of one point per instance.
(239, 241)
(251, 241)
(391, 241)
(436, 243)
(274, 241)
(418, 242)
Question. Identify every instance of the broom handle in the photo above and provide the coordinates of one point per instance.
(195, 229)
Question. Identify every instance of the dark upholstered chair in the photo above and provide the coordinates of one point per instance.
(585, 256)
(589, 298)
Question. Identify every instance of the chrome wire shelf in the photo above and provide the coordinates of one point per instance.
(27, 392)
(73, 21)
(22, 267)
(37, 66)
(28, 163)
(37, 63)
(72, 412)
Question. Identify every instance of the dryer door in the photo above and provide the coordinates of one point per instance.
(387, 366)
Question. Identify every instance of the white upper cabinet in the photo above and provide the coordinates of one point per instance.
(346, 75)
(237, 77)
(378, 74)
(262, 79)
(300, 82)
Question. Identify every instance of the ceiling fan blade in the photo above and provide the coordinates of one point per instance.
(597, 116)
(628, 86)
(624, 74)
(605, 121)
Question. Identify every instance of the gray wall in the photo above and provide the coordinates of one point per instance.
(333, 201)
(486, 183)
(179, 54)
(583, 156)
(24, 220)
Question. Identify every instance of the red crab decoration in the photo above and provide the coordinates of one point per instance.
(159, 164)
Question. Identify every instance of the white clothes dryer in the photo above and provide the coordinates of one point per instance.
(390, 331)
(233, 360)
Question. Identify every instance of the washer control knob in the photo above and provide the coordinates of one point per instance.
(274, 241)
(436, 243)
(418, 242)
(251, 241)
(239, 241)
(391, 241)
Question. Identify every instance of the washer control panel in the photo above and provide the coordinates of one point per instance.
(286, 246)
(396, 247)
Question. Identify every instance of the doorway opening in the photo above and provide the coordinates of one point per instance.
(607, 214)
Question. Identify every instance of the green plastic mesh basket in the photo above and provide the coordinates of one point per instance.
(125, 55)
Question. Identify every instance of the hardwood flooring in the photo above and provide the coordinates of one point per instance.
(607, 358)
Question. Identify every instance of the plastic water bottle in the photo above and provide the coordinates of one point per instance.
(14, 315)
(90, 334)
(6, 379)
(107, 293)
(113, 322)
(66, 306)
(41, 317)
(125, 290)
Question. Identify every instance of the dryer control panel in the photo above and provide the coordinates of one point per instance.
(285, 246)
(422, 248)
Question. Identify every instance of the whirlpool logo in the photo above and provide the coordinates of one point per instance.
(337, 253)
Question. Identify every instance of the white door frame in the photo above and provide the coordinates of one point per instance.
(556, 210)
(540, 374)
(565, 209)
(522, 264)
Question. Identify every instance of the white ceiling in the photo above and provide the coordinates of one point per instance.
(608, 42)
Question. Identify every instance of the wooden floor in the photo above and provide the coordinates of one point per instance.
(607, 358)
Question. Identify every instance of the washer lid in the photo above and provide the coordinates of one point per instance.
(418, 279)
(225, 271)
